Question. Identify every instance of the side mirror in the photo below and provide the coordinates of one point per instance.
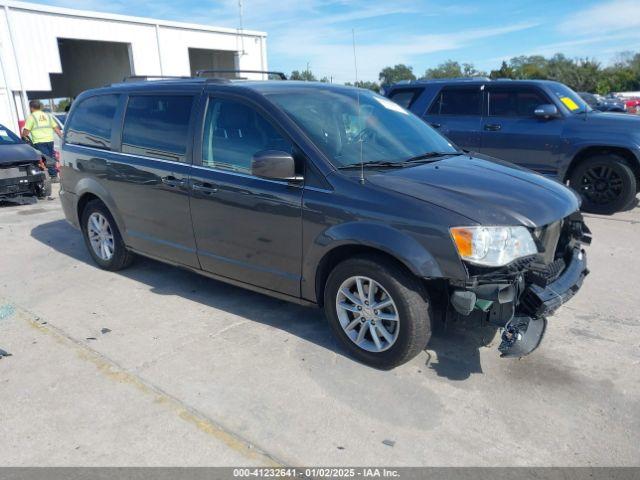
(546, 111)
(274, 165)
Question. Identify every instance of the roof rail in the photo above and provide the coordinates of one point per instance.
(280, 75)
(458, 79)
(137, 78)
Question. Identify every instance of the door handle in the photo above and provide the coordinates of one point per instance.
(172, 181)
(204, 188)
(492, 127)
(435, 125)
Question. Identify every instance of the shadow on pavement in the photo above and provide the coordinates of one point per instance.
(456, 347)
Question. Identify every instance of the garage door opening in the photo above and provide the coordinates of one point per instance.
(204, 59)
(87, 64)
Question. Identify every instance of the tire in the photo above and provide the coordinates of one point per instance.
(405, 337)
(43, 189)
(605, 182)
(102, 222)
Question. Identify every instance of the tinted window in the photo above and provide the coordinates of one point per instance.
(91, 122)
(515, 103)
(404, 98)
(157, 126)
(233, 133)
(457, 101)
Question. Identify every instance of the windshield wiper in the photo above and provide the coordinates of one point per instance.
(376, 163)
(430, 156)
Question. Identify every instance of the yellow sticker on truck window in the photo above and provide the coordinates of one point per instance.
(570, 104)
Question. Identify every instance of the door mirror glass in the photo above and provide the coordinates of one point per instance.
(546, 111)
(274, 165)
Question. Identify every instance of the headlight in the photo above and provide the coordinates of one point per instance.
(493, 246)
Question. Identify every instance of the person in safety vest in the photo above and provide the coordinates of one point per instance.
(41, 127)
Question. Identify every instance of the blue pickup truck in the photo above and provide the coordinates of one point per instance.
(538, 124)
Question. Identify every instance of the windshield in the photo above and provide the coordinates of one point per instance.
(347, 129)
(569, 98)
(7, 137)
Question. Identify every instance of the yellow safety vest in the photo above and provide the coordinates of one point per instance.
(40, 125)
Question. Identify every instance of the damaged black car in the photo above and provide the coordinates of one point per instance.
(22, 169)
(324, 195)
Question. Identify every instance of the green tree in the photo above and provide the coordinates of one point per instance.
(305, 75)
(365, 84)
(453, 69)
(505, 71)
(448, 69)
(395, 74)
(529, 67)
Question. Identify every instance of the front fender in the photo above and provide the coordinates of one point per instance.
(378, 236)
(578, 148)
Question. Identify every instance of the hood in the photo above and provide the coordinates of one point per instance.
(486, 192)
(18, 153)
(612, 121)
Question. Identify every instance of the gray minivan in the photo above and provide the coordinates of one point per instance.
(323, 195)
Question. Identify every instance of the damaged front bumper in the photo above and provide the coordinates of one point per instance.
(520, 300)
(18, 181)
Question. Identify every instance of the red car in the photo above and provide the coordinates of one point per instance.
(633, 105)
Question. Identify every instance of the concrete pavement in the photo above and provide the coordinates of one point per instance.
(157, 366)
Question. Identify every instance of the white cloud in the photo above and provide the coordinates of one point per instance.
(606, 17)
(329, 50)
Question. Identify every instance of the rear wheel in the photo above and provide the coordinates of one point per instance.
(607, 184)
(102, 237)
(378, 311)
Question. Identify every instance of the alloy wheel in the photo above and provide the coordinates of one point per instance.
(100, 236)
(367, 313)
(601, 184)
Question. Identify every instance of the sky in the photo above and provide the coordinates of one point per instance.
(420, 33)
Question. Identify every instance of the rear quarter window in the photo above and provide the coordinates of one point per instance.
(405, 97)
(92, 122)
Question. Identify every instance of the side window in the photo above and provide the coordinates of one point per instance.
(515, 102)
(92, 122)
(233, 133)
(457, 101)
(405, 97)
(157, 126)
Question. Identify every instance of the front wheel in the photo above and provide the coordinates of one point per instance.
(378, 311)
(605, 182)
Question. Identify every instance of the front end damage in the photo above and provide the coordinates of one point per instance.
(519, 297)
(23, 178)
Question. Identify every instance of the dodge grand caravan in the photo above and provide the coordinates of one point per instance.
(323, 195)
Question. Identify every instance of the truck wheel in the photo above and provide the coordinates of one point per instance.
(43, 189)
(102, 237)
(378, 311)
(605, 182)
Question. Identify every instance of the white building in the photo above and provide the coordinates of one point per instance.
(51, 52)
